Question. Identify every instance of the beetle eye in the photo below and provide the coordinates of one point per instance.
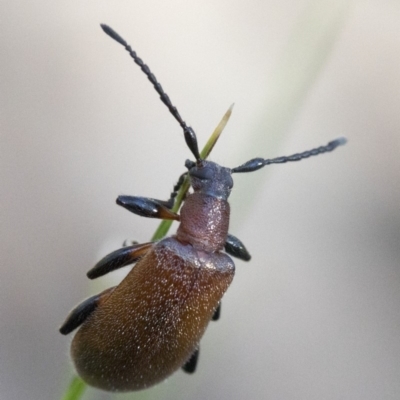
(201, 173)
(189, 164)
(230, 182)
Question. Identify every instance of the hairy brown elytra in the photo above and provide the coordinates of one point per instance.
(136, 334)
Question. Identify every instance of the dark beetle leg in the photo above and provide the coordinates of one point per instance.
(118, 259)
(235, 248)
(190, 365)
(217, 313)
(81, 312)
(146, 207)
(171, 202)
(129, 242)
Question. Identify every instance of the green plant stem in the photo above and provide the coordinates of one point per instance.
(75, 390)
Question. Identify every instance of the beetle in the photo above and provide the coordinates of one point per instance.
(139, 332)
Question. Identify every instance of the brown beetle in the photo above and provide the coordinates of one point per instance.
(136, 334)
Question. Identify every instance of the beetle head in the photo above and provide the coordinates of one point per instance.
(210, 178)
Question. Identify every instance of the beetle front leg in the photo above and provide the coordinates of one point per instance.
(82, 311)
(147, 207)
(118, 259)
(236, 248)
(171, 201)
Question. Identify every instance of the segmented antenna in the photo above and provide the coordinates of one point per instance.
(190, 136)
(257, 163)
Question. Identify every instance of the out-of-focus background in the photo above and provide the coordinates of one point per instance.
(316, 313)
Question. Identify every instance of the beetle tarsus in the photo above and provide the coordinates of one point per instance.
(129, 242)
(82, 311)
(171, 201)
(147, 207)
(217, 313)
(236, 248)
(118, 259)
(191, 364)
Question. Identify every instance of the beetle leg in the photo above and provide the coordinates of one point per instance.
(217, 313)
(171, 201)
(118, 259)
(129, 242)
(82, 311)
(147, 207)
(235, 248)
(190, 365)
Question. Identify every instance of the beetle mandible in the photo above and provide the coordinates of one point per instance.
(136, 334)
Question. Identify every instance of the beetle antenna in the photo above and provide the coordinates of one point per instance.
(190, 136)
(257, 163)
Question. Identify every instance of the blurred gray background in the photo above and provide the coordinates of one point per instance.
(316, 313)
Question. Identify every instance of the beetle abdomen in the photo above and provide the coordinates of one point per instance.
(152, 322)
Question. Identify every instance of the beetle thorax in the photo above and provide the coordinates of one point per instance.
(205, 213)
(204, 222)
